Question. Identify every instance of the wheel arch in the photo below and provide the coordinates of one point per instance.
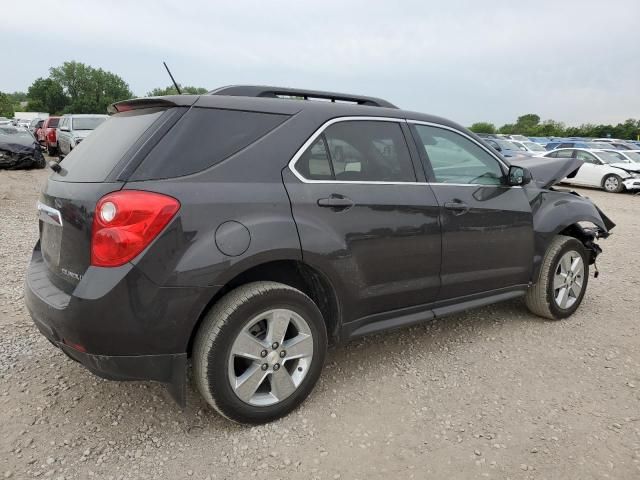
(566, 213)
(294, 273)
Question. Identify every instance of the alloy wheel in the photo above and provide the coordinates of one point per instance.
(568, 280)
(270, 357)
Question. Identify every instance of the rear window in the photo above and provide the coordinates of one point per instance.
(202, 138)
(94, 158)
(87, 123)
(53, 122)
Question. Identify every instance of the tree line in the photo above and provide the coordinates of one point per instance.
(75, 87)
(531, 126)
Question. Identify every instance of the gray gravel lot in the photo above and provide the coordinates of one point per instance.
(492, 393)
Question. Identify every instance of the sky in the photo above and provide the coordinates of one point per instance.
(490, 60)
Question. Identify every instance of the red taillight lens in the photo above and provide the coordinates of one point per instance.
(125, 222)
(52, 135)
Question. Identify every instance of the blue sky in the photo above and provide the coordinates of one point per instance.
(573, 61)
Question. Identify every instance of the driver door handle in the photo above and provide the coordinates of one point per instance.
(458, 208)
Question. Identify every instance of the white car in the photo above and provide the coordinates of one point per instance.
(626, 155)
(536, 149)
(602, 169)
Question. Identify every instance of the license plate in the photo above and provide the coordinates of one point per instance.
(51, 241)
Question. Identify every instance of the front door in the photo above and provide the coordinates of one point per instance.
(487, 226)
(364, 219)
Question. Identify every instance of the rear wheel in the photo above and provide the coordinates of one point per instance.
(613, 183)
(51, 150)
(563, 279)
(259, 352)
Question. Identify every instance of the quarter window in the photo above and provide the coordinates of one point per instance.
(456, 159)
(369, 151)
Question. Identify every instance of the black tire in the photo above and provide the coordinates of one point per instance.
(540, 298)
(51, 150)
(222, 326)
(612, 183)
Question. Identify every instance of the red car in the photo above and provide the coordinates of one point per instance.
(47, 135)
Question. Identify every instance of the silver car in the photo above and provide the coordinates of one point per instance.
(72, 129)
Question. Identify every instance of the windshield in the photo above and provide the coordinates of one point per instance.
(598, 145)
(87, 123)
(534, 147)
(519, 137)
(633, 156)
(612, 157)
(8, 132)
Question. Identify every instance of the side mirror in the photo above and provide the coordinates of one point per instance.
(64, 129)
(519, 176)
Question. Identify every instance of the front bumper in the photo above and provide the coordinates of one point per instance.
(631, 183)
(117, 323)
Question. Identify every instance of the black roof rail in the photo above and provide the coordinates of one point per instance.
(278, 92)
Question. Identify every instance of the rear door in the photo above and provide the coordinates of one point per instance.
(487, 226)
(364, 218)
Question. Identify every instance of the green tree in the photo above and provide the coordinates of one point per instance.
(171, 90)
(45, 95)
(483, 127)
(89, 90)
(6, 106)
(526, 124)
(507, 128)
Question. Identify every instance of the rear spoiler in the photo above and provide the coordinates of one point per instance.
(152, 102)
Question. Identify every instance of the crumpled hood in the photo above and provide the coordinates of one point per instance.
(548, 171)
(628, 167)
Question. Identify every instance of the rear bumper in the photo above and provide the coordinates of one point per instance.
(169, 369)
(117, 323)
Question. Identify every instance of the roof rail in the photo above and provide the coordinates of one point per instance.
(280, 92)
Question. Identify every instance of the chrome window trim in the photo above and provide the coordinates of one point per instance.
(328, 123)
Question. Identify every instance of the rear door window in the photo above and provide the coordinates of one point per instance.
(204, 137)
(95, 157)
(359, 151)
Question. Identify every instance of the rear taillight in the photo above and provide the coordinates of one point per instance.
(125, 222)
(52, 135)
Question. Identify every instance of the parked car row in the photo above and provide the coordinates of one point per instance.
(551, 143)
(60, 135)
(613, 170)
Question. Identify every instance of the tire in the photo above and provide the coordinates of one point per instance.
(545, 300)
(51, 150)
(612, 183)
(252, 309)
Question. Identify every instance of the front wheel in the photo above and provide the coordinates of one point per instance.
(613, 183)
(259, 352)
(563, 279)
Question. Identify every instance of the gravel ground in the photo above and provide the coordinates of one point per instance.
(495, 392)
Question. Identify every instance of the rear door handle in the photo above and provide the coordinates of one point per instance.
(335, 201)
(458, 208)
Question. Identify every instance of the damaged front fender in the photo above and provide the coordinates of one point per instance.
(566, 212)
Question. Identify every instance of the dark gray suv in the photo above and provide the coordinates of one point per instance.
(250, 228)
